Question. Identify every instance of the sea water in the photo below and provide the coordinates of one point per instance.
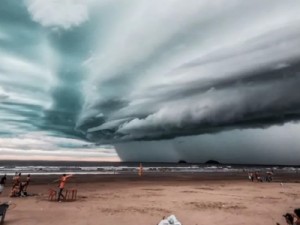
(61, 167)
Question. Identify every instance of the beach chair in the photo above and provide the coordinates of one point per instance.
(71, 194)
(52, 194)
(3, 209)
(74, 194)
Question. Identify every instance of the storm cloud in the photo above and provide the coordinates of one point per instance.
(196, 68)
(131, 72)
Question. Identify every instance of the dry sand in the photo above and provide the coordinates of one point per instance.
(130, 200)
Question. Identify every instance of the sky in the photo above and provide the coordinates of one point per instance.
(139, 80)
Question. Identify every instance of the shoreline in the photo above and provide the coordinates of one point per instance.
(290, 177)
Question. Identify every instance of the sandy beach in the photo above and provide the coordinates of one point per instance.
(128, 200)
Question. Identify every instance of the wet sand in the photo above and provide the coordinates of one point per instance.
(207, 198)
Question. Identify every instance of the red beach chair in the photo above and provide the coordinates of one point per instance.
(52, 194)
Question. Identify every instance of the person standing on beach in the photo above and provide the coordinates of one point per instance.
(27, 182)
(61, 185)
(24, 185)
(251, 176)
(16, 180)
(2, 183)
(15, 190)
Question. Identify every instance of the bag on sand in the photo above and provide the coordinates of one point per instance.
(171, 220)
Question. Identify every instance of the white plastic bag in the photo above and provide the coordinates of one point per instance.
(171, 220)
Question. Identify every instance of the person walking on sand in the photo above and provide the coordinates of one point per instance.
(61, 185)
(24, 186)
(2, 183)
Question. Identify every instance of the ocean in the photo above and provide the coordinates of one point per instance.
(61, 167)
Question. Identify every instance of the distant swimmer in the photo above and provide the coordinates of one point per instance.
(61, 185)
(141, 170)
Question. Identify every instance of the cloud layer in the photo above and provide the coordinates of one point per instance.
(61, 14)
(113, 72)
(193, 68)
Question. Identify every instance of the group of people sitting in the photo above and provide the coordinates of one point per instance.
(19, 188)
(257, 176)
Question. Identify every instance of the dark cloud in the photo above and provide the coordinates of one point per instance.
(245, 99)
(275, 145)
